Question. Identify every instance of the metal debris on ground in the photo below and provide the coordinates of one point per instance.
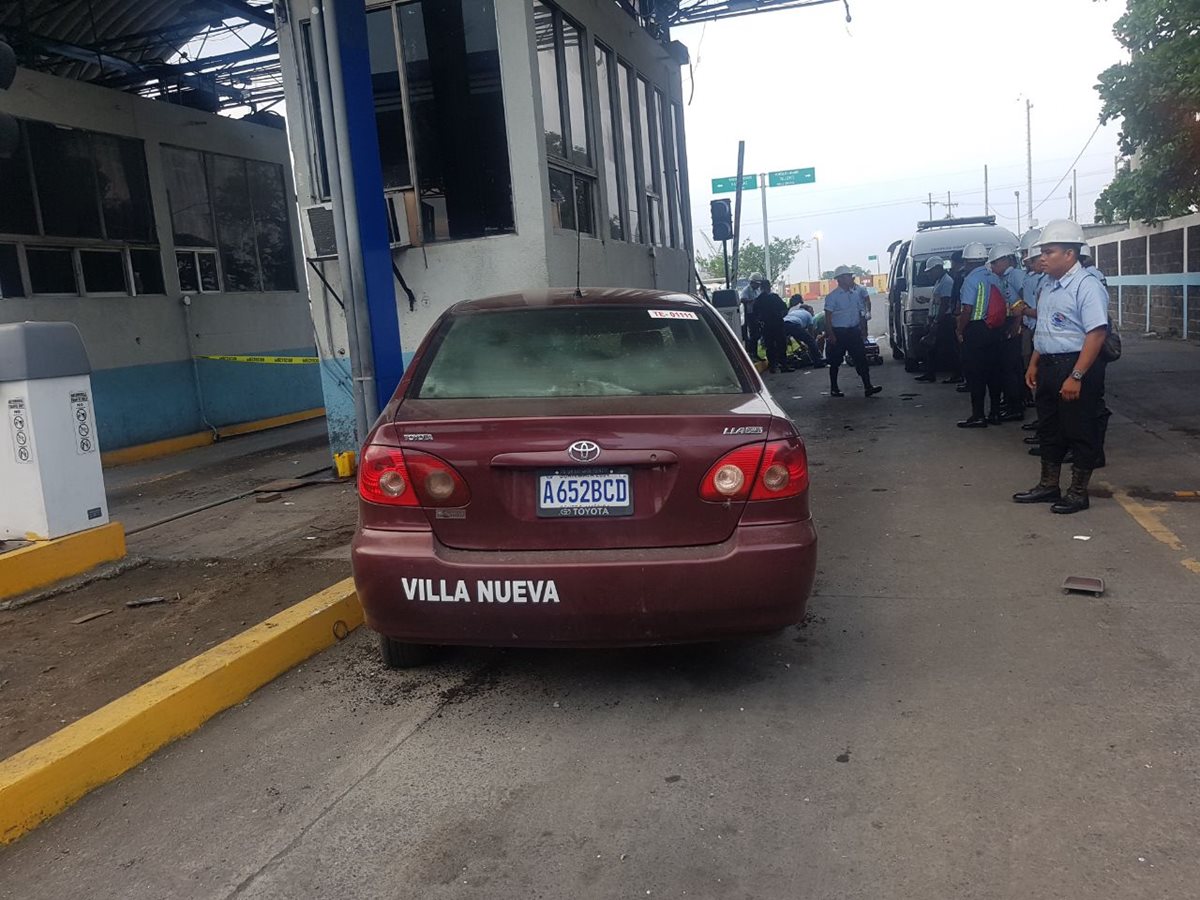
(267, 497)
(92, 615)
(149, 601)
(1083, 584)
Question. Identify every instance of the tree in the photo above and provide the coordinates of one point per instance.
(752, 259)
(859, 271)
(1157, 93)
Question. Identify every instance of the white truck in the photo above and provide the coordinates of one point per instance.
(910, 288)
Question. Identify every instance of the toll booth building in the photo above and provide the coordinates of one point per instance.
(523, 143)
(167, 234)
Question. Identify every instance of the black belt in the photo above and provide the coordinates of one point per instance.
(1054, 357)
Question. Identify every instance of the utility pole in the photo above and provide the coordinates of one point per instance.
(1029, 158)
(931, 205)
(737, 213)
(1017, 194)
(762, 183)
(1075, 194)
(949, 206)
(986, 206)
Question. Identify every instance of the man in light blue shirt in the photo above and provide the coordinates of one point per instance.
(1003, 263)
(1066, 372)
(980, 342)
(846, 308)
(1029, 300)
(798, 323)
(940, 304)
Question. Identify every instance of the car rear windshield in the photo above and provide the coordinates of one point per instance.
(594, 351)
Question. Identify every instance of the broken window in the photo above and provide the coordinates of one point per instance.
(451, 57)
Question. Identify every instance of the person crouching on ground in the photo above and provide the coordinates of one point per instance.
(798, 324)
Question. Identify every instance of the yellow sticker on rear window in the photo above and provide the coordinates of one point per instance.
(673, 314)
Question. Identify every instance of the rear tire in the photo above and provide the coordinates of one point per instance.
(399, 655)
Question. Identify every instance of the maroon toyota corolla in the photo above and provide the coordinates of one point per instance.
(596, 470)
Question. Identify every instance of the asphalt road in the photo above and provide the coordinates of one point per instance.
(947, 724)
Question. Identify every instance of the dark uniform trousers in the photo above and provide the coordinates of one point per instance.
(981, 363)
(1079, 425)
(850, 342)
(774, 338)
(1013, 367)
(946, 351)
(752, 330)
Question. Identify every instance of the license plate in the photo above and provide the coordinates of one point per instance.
(584, 493)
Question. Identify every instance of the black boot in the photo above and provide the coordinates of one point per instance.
(833, 390)
(1046, 490)
(1076, 498)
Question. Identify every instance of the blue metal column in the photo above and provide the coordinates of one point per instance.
(353, 81)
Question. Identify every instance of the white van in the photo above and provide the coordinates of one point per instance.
(911, 288)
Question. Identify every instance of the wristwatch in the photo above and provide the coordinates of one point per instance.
(1077, 375)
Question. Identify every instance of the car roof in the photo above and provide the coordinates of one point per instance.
(944, 241)
(587, 296)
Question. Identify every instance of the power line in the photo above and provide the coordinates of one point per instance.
(1072, 165)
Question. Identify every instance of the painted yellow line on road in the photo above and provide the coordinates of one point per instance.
(46, 778)
(45, 562)
(1148, 518)
(169, 446)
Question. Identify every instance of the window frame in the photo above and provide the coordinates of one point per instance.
(566, 164)
(196, 253)
(609, 87)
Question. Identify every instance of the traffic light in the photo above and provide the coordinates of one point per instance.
(10, 132)
(722, 220)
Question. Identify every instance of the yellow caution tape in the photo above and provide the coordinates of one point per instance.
(276, 360)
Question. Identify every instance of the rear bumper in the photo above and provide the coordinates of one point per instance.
(415, 589)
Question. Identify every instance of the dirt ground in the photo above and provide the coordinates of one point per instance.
(230, 565)
(53, 672)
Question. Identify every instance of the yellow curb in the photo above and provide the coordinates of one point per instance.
(46, 562)
(170, 446)
(46, 778)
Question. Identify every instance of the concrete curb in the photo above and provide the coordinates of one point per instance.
(45, 562)
(46, 778)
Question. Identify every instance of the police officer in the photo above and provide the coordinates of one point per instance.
(948, 327)
(1034, 276)
(980, 342)
(1002, 261)
(940, 304)
(847, 307)
(751, 324)
(1088, 262)
(770, 310)
(1066, 372)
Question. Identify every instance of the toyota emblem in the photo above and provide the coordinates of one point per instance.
(584, 451)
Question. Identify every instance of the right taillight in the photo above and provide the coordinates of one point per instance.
(784, 471)
(757, 472)
(396, 477)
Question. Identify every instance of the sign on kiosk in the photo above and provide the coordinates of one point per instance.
(49, 453)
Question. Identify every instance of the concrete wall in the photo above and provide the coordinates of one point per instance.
(144, 381)
(537, 255)
(1154, 276)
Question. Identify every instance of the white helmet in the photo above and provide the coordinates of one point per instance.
(934, 262)
(1061, 231)
(1030, 238)
(842, 270)
(756, 276)
(1085, 250)
(974, 250)
(1000, 251)
(1034, 252)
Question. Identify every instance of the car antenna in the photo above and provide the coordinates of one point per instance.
(578, 261)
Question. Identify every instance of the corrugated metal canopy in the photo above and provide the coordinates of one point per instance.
(152, 46)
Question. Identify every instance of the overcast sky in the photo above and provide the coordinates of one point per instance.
(910, 97)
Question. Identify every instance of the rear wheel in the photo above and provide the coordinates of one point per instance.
(399, 655)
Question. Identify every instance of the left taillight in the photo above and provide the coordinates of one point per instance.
(396, 477)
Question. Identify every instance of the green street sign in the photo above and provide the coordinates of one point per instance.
(791, 176)
(872, 258)
(729, 185)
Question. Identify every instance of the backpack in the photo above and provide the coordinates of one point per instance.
(997, 309)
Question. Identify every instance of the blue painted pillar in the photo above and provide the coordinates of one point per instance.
(349, 18)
